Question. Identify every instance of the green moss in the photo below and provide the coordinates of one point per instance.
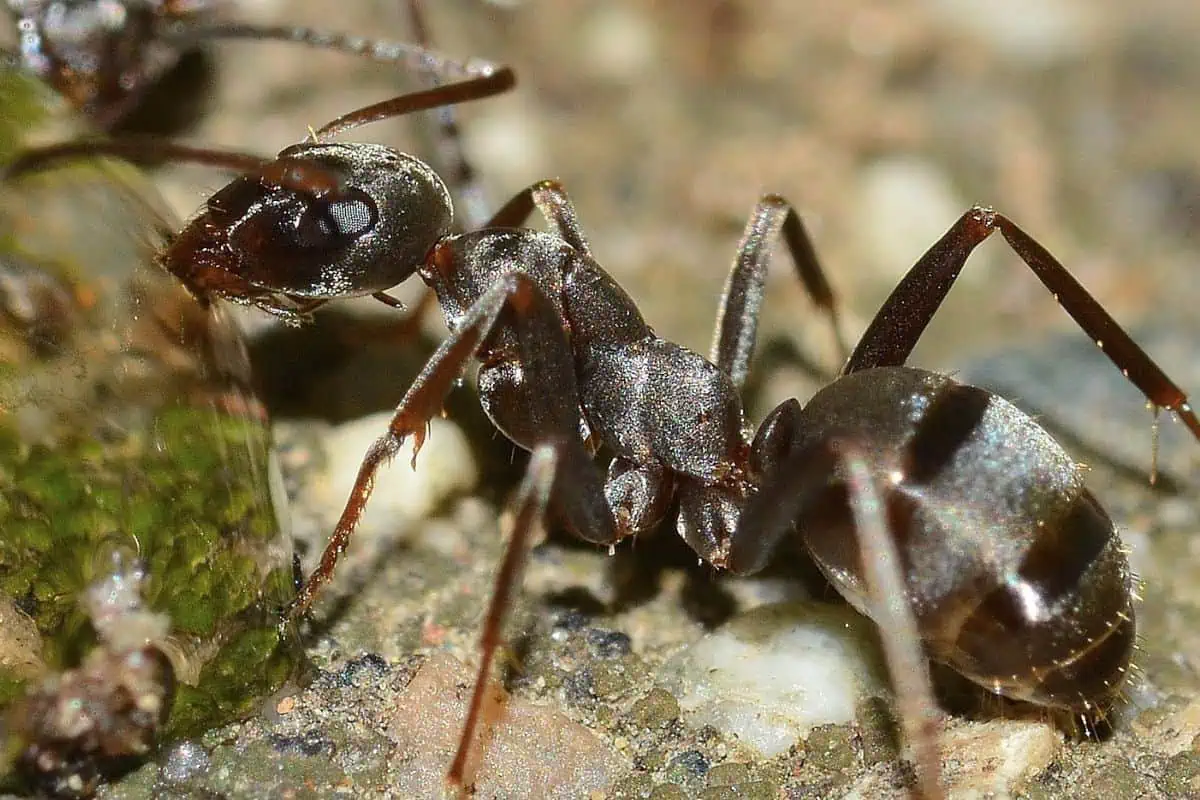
(248, 668)
(11, 687)
(119, 437)
(23, 100)
(191, 499)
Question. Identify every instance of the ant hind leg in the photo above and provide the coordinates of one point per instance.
(898, 325)
(529, 508)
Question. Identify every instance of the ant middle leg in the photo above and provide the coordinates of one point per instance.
(741, 301)
(552, 202)
(898, 325)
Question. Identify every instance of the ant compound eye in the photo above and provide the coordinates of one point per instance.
(353, 217)
(337, 223)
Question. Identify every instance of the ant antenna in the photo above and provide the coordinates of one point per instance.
(146, 149)
(149, 149)
(472, 209)
(413, 57)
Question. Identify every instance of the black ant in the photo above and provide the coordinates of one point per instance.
(103, 56)
(941, 511)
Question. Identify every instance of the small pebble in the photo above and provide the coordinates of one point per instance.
(310, 743)
(184, 761)
(693, 761)
(529, 750)
(608, 644)
(444, 468)
(773, 673)
(1030, 33)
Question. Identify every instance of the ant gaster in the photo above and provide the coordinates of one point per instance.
(941, 511)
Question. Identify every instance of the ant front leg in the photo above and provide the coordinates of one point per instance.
(895, 330)
(544, 357)
(797, 486)
(529, 510)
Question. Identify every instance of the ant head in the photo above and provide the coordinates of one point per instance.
(325, 220)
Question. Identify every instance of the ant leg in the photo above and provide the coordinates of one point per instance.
(898, 325)
(471, 202)
(544, 355)
(737, 317)
(893, 616)
(551, 200)
(529, 507)
(799, 483)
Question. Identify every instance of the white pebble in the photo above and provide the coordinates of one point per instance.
(511, 142)
(774, 673)
(1033, 32)
(444, 468)
(908, 204)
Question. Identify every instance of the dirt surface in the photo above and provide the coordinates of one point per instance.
(881, 122)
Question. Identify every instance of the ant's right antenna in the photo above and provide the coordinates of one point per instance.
(486, 85)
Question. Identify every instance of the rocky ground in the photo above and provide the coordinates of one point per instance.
(642, 675)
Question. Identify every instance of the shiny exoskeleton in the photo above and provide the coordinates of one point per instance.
(940, 510)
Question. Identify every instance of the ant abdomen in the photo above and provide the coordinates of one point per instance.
(1015, 574)
(1066, 620)
(322, 221)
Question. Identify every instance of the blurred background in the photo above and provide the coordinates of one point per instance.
(881, 121)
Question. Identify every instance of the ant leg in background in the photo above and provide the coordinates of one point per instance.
(452, 161)
(797, 485)
(149, 149)
(895, 330)
(551, 201)
(737, 318)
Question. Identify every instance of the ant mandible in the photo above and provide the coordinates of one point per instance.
(939, 510)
